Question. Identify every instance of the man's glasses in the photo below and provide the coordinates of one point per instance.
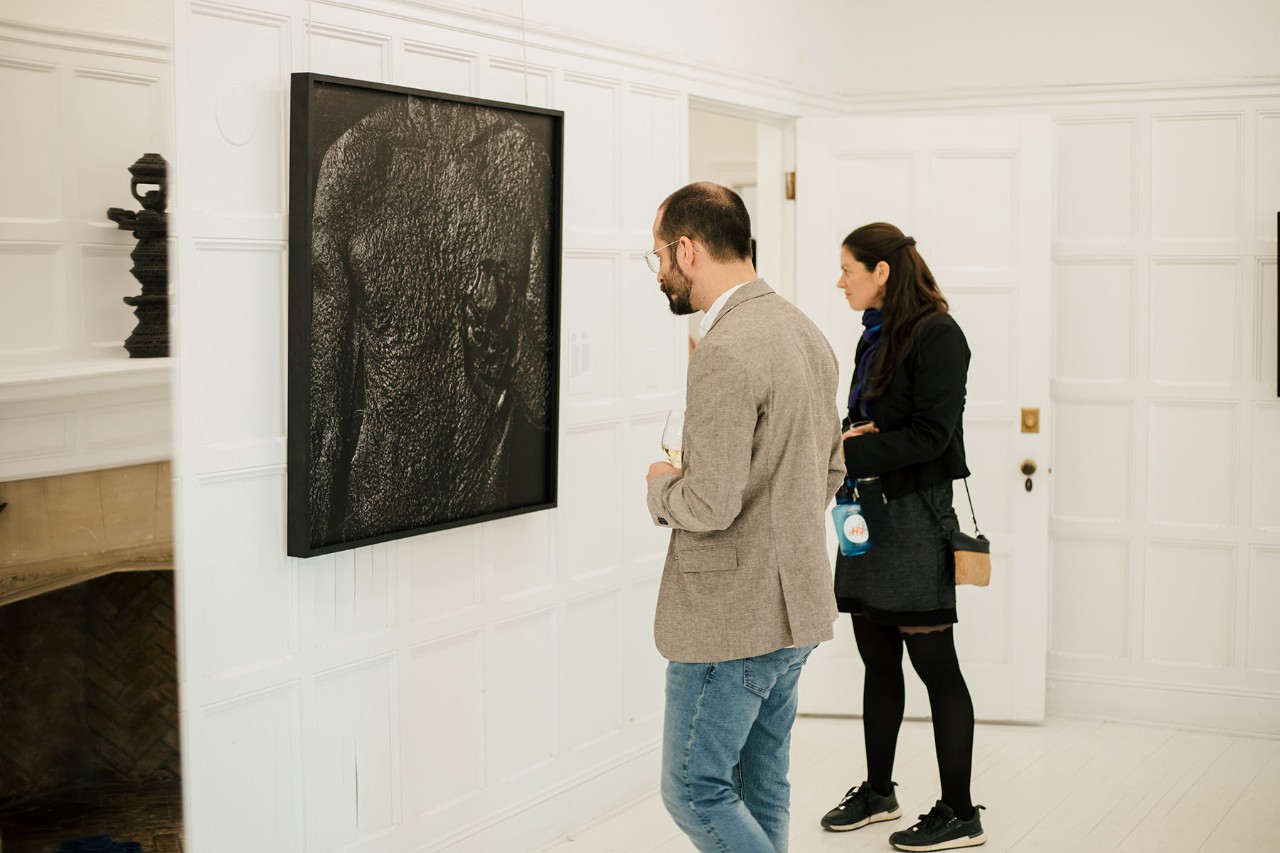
(652, 260)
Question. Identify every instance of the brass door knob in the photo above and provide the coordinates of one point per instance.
(1028, 467)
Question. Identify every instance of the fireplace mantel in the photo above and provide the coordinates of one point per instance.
(64, 417)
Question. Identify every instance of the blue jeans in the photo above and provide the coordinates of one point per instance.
(726, 749)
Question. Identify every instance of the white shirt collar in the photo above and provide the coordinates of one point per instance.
(714, 311)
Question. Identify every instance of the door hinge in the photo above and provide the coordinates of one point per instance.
(790, 181)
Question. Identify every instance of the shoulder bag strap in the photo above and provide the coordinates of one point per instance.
(938, 518)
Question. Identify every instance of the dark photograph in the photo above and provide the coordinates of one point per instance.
(424, 289)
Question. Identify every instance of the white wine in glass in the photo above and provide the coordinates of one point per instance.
(673, 435)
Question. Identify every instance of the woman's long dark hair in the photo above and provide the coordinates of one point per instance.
(911, 295)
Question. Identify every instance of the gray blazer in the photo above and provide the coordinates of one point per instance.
(747, 570)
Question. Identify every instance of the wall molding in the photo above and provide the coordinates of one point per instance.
(1241, 711)
(1148, 92)
(82, 41)
(510, 29)
(76, 378)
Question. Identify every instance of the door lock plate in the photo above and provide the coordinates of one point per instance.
(1030, 420)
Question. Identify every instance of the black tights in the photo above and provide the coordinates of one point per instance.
(933, 655)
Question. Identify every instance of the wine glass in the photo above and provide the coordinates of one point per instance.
(673, 435)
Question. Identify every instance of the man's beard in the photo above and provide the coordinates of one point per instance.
(678, 289)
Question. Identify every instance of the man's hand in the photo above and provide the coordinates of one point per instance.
(661, 469)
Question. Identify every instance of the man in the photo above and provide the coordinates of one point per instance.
(746, 591)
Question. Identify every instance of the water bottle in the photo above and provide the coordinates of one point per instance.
(851, 526)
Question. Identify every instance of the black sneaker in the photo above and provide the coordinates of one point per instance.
(940, 829)
(861, 806)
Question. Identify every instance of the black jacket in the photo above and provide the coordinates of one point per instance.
(920, 418)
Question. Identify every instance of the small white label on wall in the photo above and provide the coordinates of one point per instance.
(580, 381)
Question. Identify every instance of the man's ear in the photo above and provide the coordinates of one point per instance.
(688, 248)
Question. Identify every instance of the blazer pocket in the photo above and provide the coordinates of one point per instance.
(719, 559)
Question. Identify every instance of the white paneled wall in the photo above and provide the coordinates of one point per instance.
(87, 108)
(482, 688)
(1166, 535)
(81, 109)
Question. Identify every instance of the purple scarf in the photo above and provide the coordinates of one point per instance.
(859, 408)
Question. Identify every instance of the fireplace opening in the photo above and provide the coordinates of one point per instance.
(89, 716)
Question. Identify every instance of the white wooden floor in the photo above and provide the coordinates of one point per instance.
(1084, 786)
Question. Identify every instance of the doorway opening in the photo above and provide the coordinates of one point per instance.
(751, 153)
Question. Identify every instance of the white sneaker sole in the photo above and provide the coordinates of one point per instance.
(955, 843)
(875, 818)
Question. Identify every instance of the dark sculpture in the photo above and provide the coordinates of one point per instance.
(150, 338)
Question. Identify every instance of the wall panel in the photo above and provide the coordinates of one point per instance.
(591, 191)
(30, 161)
(104, 283)
(1090, 595)
(440, 572)
(1182, 492)
(1268, 174)
(239, 285)
(1266, 342)
(644, 686)
(1262, 650)
(1195, 176)
(355, 753)
(1266, 462)
(592, 670)
(1189, 586)
(259, 731)
(347, 52)
(237, 113)
(521, 696)
(518, 83)
(444, 737)
(590, 522)
(1092, 344)
(1180, 292)
(34, 293)
(438, 69)
(977, 234)
(1095, 181)
(101, 100)
(247, 588)
(1164, 396)
(1091, 480)
(589, 320)
(653, 150)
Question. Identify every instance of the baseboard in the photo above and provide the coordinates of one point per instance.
(1240, 712)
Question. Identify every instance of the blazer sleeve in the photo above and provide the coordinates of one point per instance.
(719, 428)
(940, 366)
(835, 468)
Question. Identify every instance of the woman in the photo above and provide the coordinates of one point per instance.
(907, 398)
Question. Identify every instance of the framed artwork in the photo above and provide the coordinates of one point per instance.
(424, 311)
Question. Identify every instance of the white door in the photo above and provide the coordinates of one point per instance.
(975, 193)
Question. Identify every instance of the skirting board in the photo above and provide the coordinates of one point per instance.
(1210, 709)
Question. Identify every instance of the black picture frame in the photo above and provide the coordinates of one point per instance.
(425, 237)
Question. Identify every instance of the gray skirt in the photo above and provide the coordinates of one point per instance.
(908, 576)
